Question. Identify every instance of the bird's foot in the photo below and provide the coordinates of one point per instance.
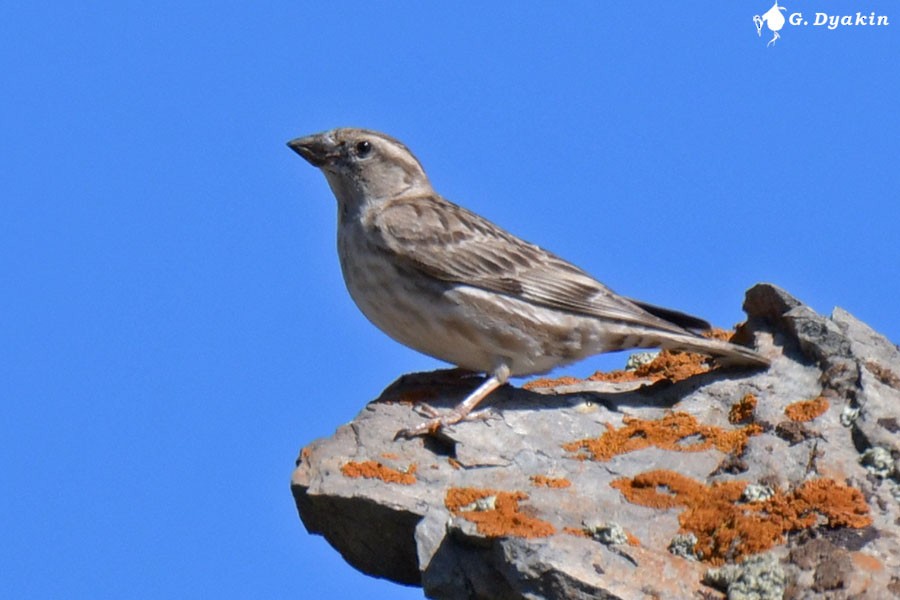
(426, 410)
(437, 422)
(462, 410)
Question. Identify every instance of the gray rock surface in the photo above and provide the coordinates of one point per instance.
(514, 506)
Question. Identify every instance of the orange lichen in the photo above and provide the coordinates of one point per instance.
(806, 410)
(717, 333)
(672, 432)
(389, 456)
(454, 463)
(545, 382)
(371, 469)
(839, 504)
(727, 529)
(576, 531)
(550, 482)
(742, 411)
(503, 519)
(621, 376)
(672, 365)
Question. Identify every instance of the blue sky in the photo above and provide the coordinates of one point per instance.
(174, 325)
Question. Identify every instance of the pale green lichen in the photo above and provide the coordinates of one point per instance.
(759, 577)
(480, 505)
(878, 461)
(639, 359)
(755, 492)
(849, 415)
(606, 533)
(685, 546)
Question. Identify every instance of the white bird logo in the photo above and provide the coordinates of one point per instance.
(773, 19)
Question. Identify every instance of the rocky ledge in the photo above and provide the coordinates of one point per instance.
(676, 479)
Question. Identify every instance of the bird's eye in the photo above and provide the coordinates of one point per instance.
(363, 149)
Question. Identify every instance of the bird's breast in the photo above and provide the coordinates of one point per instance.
(471, 328)
(402, 302)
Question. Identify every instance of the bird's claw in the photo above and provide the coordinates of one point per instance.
(437, 423)
(426, 410)
(429, 427)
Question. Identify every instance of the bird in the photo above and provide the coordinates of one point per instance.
(451, 284)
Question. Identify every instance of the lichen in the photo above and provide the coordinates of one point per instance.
(500, 517)
(550, 482)
(576, 531)
(672, 432)
(755, 492)
(757, 578)
(806, 410)
(878, 461)
(371, 469)
(684, 545)
(609, 534)
(547, 382)
(639, 359)
(671, 365)
(727, 527)
(742, 411)
(849, 415)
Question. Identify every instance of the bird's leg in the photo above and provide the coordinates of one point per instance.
(462, 410)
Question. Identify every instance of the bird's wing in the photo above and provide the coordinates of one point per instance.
(677, 317)
(450, 243)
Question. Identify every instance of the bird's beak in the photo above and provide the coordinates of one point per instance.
(318, 149)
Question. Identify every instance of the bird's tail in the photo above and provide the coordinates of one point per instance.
(726, 353)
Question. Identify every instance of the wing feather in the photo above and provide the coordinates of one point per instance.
(450, 243)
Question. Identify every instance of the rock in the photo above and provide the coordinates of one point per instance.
(650, 483)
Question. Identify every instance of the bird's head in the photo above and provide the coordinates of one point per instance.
(363, 166)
